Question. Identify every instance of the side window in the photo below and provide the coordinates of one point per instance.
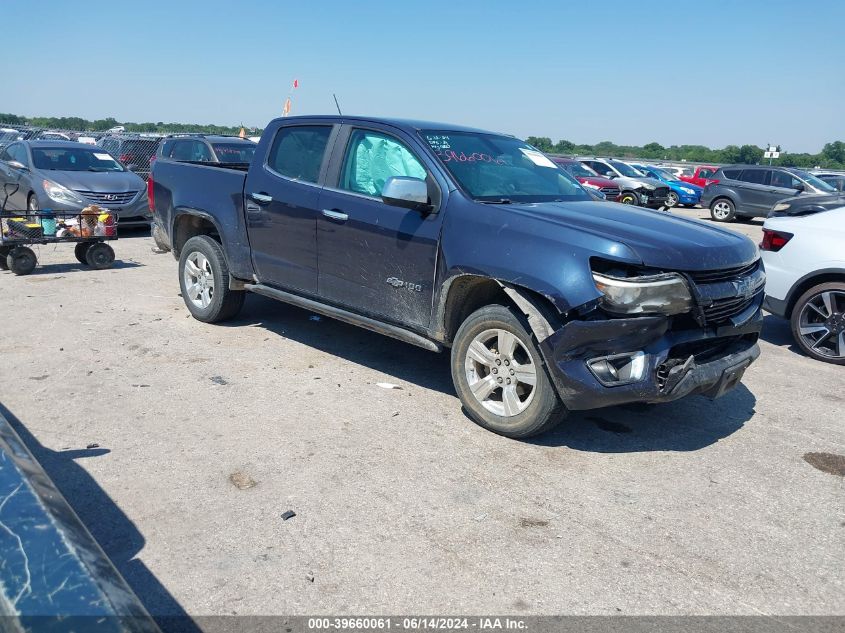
(181, 150)
(18, 153)
(601, 168)
(4, 155)
(784, 179)
(733, 174)
(372, 158)
(200, 152)
(298, 151)
(705, 173)
(754, 176)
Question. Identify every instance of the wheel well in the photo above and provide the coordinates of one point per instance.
(188, 226)
(722, 197)
(803, 286)
(468, 293)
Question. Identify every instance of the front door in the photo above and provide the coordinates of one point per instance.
(281, 201)
(782, 185)
(377, 259)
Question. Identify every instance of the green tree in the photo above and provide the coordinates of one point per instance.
(834, 152)
(543, 143)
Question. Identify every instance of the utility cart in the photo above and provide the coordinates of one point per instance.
(89, 228)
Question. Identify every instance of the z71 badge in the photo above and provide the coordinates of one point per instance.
(398, 283)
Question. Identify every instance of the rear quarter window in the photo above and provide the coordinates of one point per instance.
(732, 174)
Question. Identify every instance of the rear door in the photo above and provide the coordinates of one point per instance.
(753, 188)
(378, 259)
(281, 200)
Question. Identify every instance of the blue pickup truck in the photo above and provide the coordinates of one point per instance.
(451, 237)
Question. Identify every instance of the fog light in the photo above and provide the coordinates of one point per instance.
(619, 369)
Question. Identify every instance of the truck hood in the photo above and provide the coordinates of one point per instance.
(657, 238)
(99, 181)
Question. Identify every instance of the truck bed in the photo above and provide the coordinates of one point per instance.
(206, 190)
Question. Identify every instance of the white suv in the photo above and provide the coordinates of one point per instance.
(805, 279)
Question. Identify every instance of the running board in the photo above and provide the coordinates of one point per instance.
(348, 317)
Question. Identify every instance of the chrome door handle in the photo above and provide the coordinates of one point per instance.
(335, 215)
(261, 198)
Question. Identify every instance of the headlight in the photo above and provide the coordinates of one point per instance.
(781, 206)
(61, 194)
(661, 294)
(687, 190)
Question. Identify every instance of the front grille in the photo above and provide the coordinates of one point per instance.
(727, 274)
(610, 192)
(660, 192)
(109, 199)
(724, 309)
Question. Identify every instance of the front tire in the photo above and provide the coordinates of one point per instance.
(671, 200)
(204, 279)
(4, 253)
(818, 323)
(500, 376)
(80, 250)
(628, 197)
(723, 210)
(21, 260)
(32, 204)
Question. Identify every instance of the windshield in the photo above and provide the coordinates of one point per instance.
(625, 169)
(493, 168)
(73, 159)
(234, 152)
(663, 174)
(818, 183)
(579, 170)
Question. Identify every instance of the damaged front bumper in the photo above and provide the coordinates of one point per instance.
(668, 363)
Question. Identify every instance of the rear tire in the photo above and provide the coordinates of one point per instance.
(160, 239)
(100, 256)
(4, 253)
(204, 279)
(21, 260)
(823, 338)
(723, 210)
(481, 363)
(80, 250)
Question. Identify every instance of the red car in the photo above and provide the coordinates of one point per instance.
(701, 176)
(588, 177)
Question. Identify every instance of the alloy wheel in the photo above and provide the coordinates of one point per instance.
(821, 324)
(501, 373)
(722, 210)
(199, 280)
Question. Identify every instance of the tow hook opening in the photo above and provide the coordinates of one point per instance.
(618, 369)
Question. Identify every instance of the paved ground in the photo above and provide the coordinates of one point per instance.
(402, 504)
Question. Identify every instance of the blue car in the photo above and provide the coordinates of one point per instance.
(680, 192)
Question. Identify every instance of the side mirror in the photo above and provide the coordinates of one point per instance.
(406, 192)
(18, 165)
(799, 188)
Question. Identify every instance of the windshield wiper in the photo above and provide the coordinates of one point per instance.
(499, 201)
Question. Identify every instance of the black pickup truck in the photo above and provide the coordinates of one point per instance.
(450, 237)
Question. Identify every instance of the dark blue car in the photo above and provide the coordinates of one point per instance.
(451, 237)
(680, 192)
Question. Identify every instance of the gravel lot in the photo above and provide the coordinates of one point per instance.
(207, 434)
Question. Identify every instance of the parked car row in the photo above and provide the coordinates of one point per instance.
(63, 175)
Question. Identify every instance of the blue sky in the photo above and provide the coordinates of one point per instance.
(710, 73)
